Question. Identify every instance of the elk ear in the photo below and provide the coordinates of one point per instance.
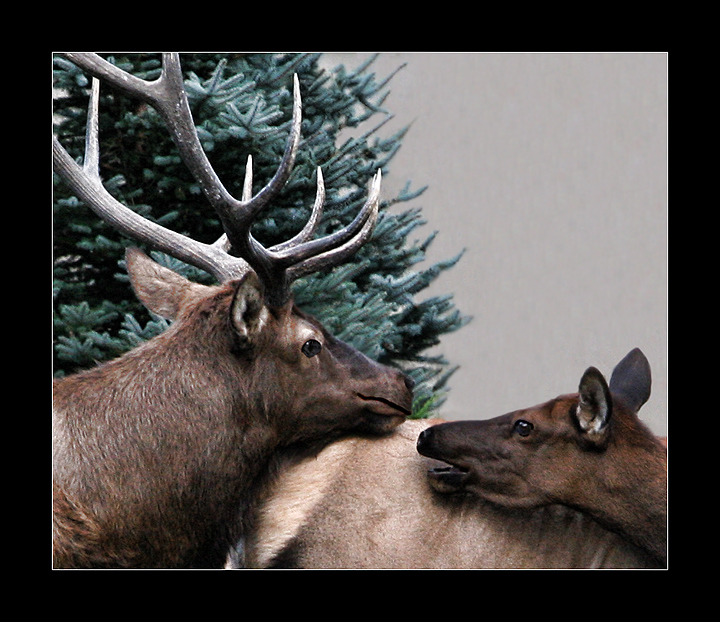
(160, 289)
(249, 313)
(595, 406)
(631, 380)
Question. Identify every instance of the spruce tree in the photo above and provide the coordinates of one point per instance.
(242, 105)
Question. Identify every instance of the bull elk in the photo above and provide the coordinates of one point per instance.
(578, 482)
(157, 453)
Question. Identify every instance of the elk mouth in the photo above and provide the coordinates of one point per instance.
(382, 406)
(448, 478)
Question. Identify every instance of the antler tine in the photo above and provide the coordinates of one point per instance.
(224, 242)
(248, 209)
(335, 248)
(335, 241)
(309, 228)
(91, 161)
(247, 182)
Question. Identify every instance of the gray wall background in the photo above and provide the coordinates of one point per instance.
(551, 170)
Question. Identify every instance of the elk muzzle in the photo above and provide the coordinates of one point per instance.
(388, 402)
(438, 442)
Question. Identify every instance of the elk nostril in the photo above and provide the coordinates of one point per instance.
(423, 437)
(409, 382)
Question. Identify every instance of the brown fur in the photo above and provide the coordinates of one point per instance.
(156, 454)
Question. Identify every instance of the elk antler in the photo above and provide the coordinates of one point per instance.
(277, 266)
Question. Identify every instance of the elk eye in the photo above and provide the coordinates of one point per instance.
(523, 428)
(311, 347)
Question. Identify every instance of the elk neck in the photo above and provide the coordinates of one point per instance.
(627, 492)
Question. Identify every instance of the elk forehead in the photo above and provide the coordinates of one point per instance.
(301, 329)
(292, 328)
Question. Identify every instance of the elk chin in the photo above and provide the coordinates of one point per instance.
(381, 415)
(380, 424)
(448, 479)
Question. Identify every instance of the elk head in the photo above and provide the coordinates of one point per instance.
(548, 453)
(293, 373)
(588, 451)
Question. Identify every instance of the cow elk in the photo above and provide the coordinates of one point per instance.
(588, 451)
(578, 482)
(157, 454)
